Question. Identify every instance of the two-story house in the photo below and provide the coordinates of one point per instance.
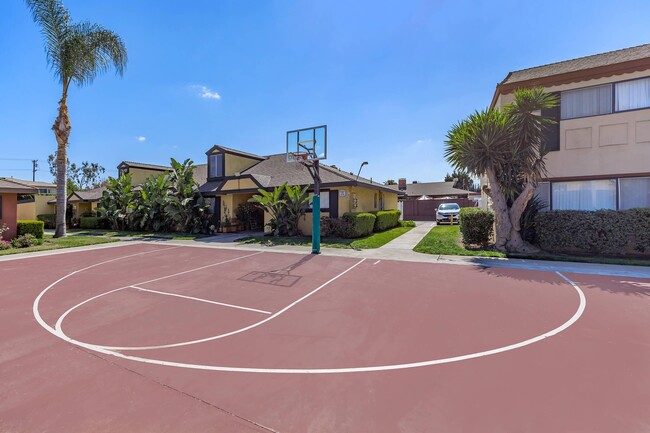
(599, 150)
(233, 177)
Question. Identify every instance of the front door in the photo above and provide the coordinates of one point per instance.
(334, 203)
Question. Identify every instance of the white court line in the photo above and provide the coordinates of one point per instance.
(58, 326)
(581, 308)
(200, 300)
(377, 262)
(215, 337)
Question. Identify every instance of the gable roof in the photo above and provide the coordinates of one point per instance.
(12, 187)
(144, 166)
(236, 152)
(83, 196)
(583, 68)
(32, 184)
(433, 189)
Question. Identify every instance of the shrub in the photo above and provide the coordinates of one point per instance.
(476, 226)
(408, 223)
(602, 232)
(35, 228)
(4, 245)
(386, 219)
(335, 227)
(361, 224)
(23, 241)
(89, 222)
(49, 219)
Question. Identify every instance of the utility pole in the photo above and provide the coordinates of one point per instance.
(34, 167)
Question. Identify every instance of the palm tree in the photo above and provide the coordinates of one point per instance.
(507, 148)
(77, 53)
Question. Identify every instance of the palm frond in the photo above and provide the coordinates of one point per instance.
(91, 50)
(54, 21)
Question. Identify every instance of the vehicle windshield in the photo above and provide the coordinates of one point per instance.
(449, 206)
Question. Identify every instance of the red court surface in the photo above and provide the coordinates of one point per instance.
(162, 338)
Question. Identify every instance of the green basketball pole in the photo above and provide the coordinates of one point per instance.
(315, 223)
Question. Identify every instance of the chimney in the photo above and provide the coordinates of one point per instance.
(401, 184)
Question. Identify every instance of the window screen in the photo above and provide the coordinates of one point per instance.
(586, 102)
(634, 192)
(584, 195)
(324, 200)
(633, 94)
(215, 165)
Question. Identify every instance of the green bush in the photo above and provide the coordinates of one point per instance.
(24, 241)
(476, 226)
(602, 232)
(35, 228)
(386, 219)
(89, 222)
(408, 223)
(49, 219)
(361, 224)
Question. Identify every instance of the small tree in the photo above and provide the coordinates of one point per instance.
(285, 204)
(185, 206)
(118, 201)
(506, 147)
(149, 209)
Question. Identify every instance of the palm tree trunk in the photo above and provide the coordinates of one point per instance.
(61, 130)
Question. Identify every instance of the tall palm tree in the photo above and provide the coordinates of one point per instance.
(507, 148)
(77, 53)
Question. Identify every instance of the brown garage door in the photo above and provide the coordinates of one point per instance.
(425, 210)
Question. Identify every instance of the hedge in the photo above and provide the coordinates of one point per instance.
(49, 219)
(89, 222)
(361, 224)
(476, 226)
(32, 227)
(386, 219)
(602, 232)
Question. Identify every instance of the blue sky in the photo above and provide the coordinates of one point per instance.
(388, 78)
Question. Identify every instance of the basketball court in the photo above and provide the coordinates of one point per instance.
(161, 337)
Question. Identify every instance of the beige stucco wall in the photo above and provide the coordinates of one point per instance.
(237, 184)
(139, 175)
(29, 211)
(237, 164)
(610, 144)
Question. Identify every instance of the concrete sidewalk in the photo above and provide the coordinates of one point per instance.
(410, 239)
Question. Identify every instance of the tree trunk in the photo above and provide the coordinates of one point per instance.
(501, 213)
(517, 244)
(61, 130)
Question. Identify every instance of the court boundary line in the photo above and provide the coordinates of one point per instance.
(102, 349)
(214, 337)
(59, 322)
(223, 304)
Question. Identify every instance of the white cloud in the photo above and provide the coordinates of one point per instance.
(205, 92)
(141, 138)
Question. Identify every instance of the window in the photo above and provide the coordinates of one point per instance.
(543, 194)
(590, 101)
(215, 165)
(324, 200)
(375, 201)
(584, 195)
(551, 139)
(634, 192)
(633, 94)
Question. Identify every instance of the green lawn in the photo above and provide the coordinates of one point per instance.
(128, 233)
(446, 240)
(49, 243)
(375, 240)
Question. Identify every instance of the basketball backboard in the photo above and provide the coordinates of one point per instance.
(307, 144)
